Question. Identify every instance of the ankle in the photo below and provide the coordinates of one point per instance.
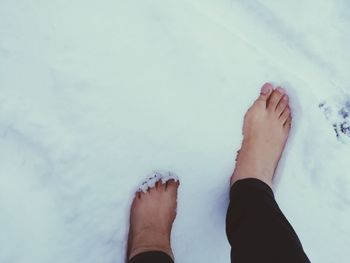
(250, 171)
(146, 242)
(140, 250)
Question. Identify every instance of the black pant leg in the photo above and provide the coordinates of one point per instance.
(152, 257)
(256, 227)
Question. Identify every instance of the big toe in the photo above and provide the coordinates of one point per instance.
(172, 186)
(265, 92)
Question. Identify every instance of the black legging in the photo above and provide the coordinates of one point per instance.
(256, 229)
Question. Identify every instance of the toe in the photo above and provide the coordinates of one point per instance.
(160, 186)
(275, 98)
(288, 124)
(265, 92)
(152, 190)
(282, 105)
(285, 115)
(137, 200)
(172, 185)
(142, 194)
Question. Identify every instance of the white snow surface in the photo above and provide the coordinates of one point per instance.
(96, 94)
(157, 177)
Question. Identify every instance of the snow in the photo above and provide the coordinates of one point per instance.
(95, 95)
(155, 177)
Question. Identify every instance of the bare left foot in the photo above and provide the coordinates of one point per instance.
(151, 219)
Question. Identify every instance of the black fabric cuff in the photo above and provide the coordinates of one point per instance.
(152, 257)
(247, 185)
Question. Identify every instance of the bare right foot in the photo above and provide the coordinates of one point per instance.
(265, 131)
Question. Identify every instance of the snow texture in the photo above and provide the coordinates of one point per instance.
(157, 176)
(95, 94)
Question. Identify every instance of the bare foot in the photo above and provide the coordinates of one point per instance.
(151, 219)
(265, 131)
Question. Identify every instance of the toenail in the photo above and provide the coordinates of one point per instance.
(280, 90)
(265, 89)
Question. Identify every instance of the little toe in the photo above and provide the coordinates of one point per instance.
(274, 99)
(288, 124)
(137, 199)
(285, 115)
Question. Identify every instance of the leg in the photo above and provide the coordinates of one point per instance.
(151, 219)
(256, 228)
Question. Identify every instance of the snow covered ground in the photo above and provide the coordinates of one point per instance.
(95, 94)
